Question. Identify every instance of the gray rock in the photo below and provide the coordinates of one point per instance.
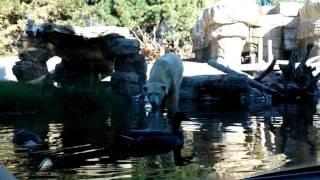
(119, 46)
(290, 33)
(28, 70)
(37, 30)
(221, 31)
(125, 84)
(34, 54)
(87, 54)
(194, 87)
(135, 63)
(129, 75)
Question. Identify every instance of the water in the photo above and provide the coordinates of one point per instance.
(220, 143)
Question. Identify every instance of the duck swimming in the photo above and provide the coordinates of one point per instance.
(26, 138)
(150, 142)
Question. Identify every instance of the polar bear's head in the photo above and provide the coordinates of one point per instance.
(155, 93)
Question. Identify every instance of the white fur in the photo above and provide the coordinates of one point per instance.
(165, 80)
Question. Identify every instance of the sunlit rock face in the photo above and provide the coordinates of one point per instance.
(230, 28)
(223, 29)
(88, 54)
(278, 26)
(309, 28)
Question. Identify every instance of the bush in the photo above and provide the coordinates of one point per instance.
(167, 19)
(21, 97)
(82, 100)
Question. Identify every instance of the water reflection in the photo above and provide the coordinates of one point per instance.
(54, 136)
(221, 143)
(297, 139)
(242, 145)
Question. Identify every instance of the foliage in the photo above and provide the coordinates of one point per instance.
(10, 24)
(23, 97)
(82, 100)
(162, 167)
(167, 19)
(160, 21)
(75, 12)
(147, 15)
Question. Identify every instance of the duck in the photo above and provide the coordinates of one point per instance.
(26, 138)
(150, 142)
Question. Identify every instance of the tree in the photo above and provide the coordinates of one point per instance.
(166, 19)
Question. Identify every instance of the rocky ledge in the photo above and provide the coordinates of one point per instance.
(88, 54)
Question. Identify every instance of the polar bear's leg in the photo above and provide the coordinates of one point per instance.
(172, 104)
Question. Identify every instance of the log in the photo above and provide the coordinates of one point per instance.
(267, 71)
(252, 82)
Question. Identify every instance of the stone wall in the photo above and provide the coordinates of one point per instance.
(221, 32)
(230, 28)
(309, 28)
(279, 27)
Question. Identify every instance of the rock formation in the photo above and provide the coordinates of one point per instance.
(88, 55)
(222, 31)
(309, 29)
(230, 28)
(279, 26)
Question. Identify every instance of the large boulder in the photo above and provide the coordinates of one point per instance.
(208, 86)
(279, 26)
(87, 54)
(309, 26)
(221, 32)
(129, 75)
(28, 70)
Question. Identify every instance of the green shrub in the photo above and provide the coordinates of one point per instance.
(147, 15)
(21, 97)
(82, 99)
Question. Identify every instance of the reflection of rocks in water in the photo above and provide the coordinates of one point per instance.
(214, 129)
(231, 143)
(156, 121)
(296, 132)
(128, 116)
(212, 106)
(91, 129)
(159, 161)
(54, 136)
(74, 140)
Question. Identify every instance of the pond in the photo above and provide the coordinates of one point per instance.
(220, 142)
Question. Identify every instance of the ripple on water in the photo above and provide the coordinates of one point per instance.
(225, 144)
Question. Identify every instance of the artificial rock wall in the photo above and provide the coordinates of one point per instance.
(309, 29)
(88, 55)
(229, 28)
(223, 29)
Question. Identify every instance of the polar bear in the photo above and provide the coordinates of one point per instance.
(164, 83)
